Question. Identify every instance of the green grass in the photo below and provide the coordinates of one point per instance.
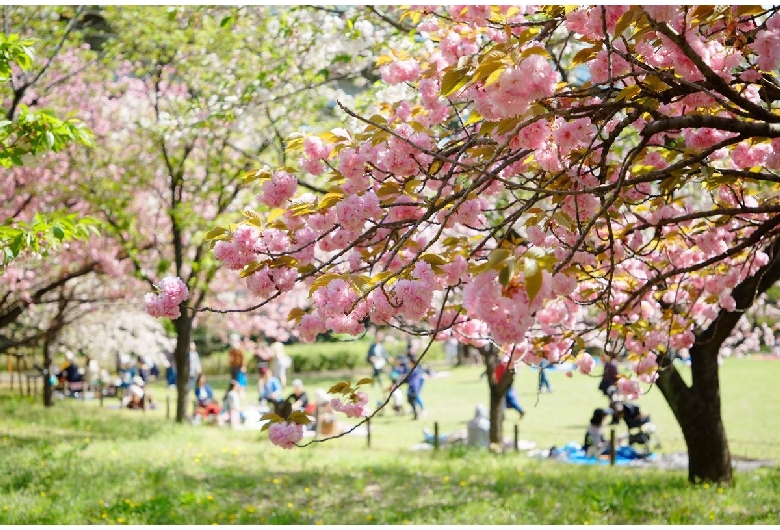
(78, 464)
(217, 362)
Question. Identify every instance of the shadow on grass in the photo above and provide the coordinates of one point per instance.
(71, 421)
(467, 488)
(51, 475)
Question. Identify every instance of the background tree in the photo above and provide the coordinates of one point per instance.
(203, 95)
(46, 228)
(547, 180)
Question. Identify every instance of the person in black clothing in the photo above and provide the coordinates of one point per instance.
(610, 377)
(298, 398)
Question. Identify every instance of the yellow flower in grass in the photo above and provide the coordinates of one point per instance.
(463, 483)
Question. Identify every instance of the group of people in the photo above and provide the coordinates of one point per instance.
(595, 442)
(405, 370)
(130, 383)
(272, 362)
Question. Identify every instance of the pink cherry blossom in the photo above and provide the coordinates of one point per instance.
(285, 434)
(352, 408)
(767, 48)
(400, 71)
(629, 388)
(277, 191)
(173, 292)
(315, 148)
(586, 363)
(311, 325)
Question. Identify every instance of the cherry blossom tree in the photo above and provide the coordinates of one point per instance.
(544, 179)
(51, 246)
(26, 136)
(203, 95)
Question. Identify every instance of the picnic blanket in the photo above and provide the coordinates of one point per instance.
(572, 453)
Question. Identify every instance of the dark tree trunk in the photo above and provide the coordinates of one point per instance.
(48, 389)
(183, 326)
(497, 392)
(496, 416)
(698, 408)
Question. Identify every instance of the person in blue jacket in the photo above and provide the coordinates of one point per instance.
(203, 391)
(414, 386)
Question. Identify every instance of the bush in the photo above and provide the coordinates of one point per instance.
(324, 360)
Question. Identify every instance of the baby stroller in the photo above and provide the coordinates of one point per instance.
(642, 435)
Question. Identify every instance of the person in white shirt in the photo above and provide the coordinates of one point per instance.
(377, 357)
(195, 367)
(232, 404)
(478, 428)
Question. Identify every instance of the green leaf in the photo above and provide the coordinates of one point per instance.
(533, 277)
(58, 232)
(299, 417)
(453, 81)
(272, 417)
(340, 388)
(498, 255)
(433, 259)
(365, 381)
(505, 276)
(217, 233)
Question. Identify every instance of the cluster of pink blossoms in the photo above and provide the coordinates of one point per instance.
(767, 45)
(285, 434)
(647, 368)
(586, 363)
(173, 292)
(277, 191)
(352, 409)
(241, 250)
(517, 87)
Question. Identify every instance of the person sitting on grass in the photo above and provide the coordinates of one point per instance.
(299, 398)
(205, 396)
(136, 394)
(270, 388)
(595, 443)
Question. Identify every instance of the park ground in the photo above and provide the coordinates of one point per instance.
(78, 463)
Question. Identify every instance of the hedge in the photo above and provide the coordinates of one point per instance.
(322, 361)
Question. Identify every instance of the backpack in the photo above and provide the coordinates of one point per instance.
(371, 350)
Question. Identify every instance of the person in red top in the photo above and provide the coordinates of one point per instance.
(510, 401)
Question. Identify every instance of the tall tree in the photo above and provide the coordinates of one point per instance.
(545, 179)
(205, 95)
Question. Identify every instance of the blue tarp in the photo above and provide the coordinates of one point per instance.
(573, 454)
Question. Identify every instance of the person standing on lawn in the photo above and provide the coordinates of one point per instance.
(377, 357)
(235, 357)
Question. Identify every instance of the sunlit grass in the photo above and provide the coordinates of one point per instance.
(78, 464)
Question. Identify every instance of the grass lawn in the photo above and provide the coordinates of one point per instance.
(79, 464)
